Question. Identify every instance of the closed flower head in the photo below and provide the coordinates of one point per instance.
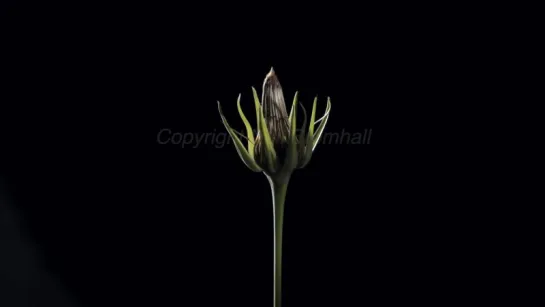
(277, 149)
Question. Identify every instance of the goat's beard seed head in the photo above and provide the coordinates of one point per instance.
(276, 119)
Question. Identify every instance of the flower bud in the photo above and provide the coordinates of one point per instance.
(277, 149)
(277, 122)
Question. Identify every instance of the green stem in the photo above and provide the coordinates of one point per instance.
(279, 196)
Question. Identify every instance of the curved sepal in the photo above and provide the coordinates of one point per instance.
(292, 157)
(302, 139)
(293, 106)
(242, 152)
(257, 106)
(318, 135)
(270, 153)
(310, 137)
(249, 131)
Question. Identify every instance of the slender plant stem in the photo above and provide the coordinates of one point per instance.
(279, 196)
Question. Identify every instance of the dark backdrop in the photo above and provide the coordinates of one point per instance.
(120, 218)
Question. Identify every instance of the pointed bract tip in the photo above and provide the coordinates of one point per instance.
(271, 72)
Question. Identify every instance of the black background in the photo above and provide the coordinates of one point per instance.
(122, 219)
